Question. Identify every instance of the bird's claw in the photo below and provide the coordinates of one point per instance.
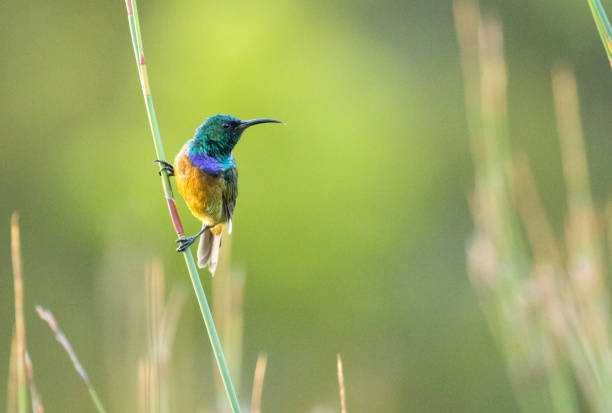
(186, 242)
(167, 166)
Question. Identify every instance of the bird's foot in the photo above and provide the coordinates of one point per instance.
(167, 166)
(186, 242)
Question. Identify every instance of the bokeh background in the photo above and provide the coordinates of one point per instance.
(352, 219)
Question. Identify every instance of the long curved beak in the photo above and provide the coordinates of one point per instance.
(246, 123)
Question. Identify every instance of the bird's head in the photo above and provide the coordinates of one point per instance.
(218, 135)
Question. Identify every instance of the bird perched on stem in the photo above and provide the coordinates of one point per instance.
(207, 178)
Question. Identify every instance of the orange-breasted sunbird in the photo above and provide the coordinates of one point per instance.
(207, 178)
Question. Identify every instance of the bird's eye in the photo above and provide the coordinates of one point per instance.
(225, 125)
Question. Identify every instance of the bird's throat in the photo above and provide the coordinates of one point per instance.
(211, 164)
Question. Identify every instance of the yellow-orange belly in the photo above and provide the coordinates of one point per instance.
(202, 192)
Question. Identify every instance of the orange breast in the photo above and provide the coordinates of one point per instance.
(202, 192)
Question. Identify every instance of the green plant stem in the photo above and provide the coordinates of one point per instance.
(212, 331)
(603, 26)
(191, 267)
(96, 400)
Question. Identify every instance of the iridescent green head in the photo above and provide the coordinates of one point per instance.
(218, 135)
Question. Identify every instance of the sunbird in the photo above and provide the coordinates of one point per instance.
(207, 177)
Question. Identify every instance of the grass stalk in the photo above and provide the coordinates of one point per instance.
(169, 323)
(37, 406)
(258, 382)
(609, 231)
(547, 283)
(585, 255)
(341, 384)
(227, 301)
(136, 36)
(603, 26)
(538, 229)
(11, 385)
(154, 288)
(20, 339)
(47, 317)
(162, 321)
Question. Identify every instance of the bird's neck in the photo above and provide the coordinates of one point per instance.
(207, 159)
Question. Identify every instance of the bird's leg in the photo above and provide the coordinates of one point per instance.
(187, 241)
(167, 166)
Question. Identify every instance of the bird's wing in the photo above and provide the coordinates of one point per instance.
(230, 192)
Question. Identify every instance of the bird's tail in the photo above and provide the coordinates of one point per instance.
(208, 250)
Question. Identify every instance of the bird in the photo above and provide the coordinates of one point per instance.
(206, 176)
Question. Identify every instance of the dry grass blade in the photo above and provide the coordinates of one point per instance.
(144, 385)
(154, 293)
(585, 260)
(11, 385)
(170, 318)
(341, 385)
(228, 300)
(47, 317)
(37, 406)
(467, 17)
(583, 235)
(169, 323)
(538, 229)
(493, 79)
(162, 321)
(258, 382)
(19, 319)
(609, 232)
(549, 298)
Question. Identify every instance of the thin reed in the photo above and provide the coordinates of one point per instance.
(20, 338)
(20, 365)
(47, 317)
(37, 406)
(227, 300)
(258, 382)
(585, 265)
(496, 270)
(163, 314)
(134, 24)
(11, 385)
(609, 226)
(341, 384)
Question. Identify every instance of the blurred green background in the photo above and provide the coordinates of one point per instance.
(352, 219)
